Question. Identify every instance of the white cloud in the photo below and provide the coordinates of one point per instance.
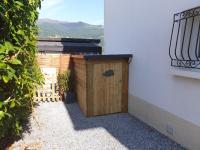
(47, 4)
(98, 22)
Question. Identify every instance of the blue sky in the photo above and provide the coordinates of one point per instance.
(90, 11)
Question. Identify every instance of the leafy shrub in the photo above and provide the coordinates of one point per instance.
(19, 72)
(64, 81)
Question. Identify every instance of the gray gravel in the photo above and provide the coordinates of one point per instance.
(56, 126)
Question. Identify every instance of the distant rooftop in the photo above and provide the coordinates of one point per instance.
(69, 45)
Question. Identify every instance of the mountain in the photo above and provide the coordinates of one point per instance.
(62, 29)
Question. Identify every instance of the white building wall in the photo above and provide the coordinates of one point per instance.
(143, 28)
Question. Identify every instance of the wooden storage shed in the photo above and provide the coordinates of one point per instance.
(101, 83)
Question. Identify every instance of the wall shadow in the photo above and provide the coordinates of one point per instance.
(128, 130)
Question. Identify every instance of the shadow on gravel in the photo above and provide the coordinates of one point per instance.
(5, 143)
(128, 130)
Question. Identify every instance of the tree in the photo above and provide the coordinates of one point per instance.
(19, 72)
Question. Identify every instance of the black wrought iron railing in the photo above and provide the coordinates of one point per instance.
(184, 49)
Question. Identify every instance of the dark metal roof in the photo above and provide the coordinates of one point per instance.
(103, 57)
(69, 45)
(100, 57)
(73, 40)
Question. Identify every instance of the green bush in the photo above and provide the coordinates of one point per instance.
(64, 81)
(19, 72)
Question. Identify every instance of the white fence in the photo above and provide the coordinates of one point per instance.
(49, 91)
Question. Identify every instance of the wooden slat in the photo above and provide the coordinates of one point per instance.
(90, 90)
(80, 84)
(125, 72)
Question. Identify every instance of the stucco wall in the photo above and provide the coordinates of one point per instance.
(143, 28)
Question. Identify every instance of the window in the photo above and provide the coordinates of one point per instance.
(184, 48)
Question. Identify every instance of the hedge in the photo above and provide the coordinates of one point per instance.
(19, 72)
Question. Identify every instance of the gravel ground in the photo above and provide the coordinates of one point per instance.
(56, 126)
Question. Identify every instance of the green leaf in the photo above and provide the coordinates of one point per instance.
(12, 104)
(20, 32)
(1, 115)
(8, 45)
(15, 62)
(1, 105)
(18, 127)
(19, 3)
(12, 75)
(6, 79)
(2, 65)
(5, 1)
(2, 49)
(9, 115)
(2, 57)
(10, 69)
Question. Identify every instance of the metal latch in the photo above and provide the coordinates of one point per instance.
(108, 73)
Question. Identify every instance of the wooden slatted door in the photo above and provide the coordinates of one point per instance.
(107, 84)
(49, 91)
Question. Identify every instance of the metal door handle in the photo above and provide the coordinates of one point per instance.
(108, 73)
